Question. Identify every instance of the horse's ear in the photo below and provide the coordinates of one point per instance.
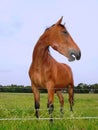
(59, 21)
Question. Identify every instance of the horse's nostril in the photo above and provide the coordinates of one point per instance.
(78, 56)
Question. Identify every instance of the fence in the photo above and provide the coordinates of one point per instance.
(18, 107)
(30, 119)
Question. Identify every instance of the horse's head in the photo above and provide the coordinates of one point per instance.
(60, 40)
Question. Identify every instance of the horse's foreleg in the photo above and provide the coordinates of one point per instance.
(71, 96)
(50, 102)
(61, 100)
(37, 100)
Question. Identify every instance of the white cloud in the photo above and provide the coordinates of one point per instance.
(9, 29)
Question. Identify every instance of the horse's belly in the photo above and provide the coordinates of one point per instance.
(62, 81)
(61, 85)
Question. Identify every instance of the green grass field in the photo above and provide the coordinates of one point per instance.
(20, 107)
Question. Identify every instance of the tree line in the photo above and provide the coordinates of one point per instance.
(80, 88)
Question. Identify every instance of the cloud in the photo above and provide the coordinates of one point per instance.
(10, 21)
(10, 28)
(5, 70)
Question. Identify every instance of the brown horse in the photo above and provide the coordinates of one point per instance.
(45, 72)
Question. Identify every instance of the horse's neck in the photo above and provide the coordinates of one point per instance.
(41, 52)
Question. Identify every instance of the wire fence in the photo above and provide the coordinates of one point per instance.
(12, 107)
(30, 119)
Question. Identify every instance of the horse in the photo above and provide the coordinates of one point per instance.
(46, 73)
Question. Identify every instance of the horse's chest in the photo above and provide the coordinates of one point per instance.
(38, 78)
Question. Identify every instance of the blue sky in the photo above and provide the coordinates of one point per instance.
(23, 21)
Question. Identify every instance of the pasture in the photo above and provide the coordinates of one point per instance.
(17, 113)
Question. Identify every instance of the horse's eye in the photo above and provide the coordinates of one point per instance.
(65, 32)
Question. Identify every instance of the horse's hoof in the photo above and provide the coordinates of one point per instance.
(51, 120)
(37, 114)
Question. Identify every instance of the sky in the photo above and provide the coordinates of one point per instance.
(22, 22)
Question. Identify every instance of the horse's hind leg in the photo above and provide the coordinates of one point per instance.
(37, 100)
(71, 96)
(61, 100)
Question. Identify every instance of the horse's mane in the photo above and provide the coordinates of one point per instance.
(54, 25)
(49, 27)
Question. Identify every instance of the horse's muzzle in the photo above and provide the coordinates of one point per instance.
(78, 55)
(74, 55)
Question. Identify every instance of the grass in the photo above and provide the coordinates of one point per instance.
(21, 105)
